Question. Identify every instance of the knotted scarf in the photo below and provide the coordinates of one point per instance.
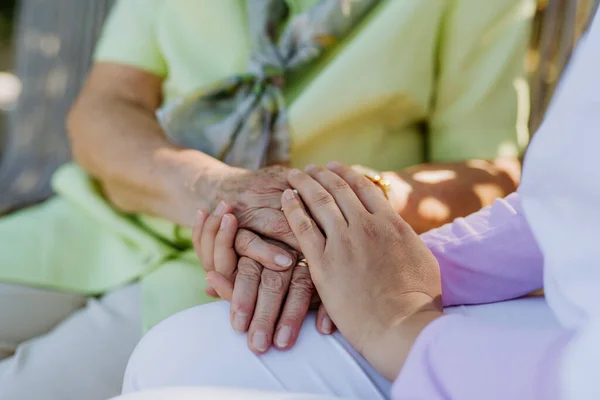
(242, 120)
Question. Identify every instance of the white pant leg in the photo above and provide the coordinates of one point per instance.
(198, 393)
(27, 312)
(197, 347)
(84, 357)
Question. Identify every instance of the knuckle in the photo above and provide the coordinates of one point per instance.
(303, 285)
(275, 170)
(301, 277)
(273, 281)
(361, 183)
(280, 227)
(371, 229)
(292, 317)
(322, 198)
(242, 307)
(338, 184)
(263, 319)
(304, 226)
(249, 270)
(244, 241)
(346, 239)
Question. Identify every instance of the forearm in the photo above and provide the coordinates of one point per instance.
(118, 140)
(489, 256)
(430, 195)
(458, 357)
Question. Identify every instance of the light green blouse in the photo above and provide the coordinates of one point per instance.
(417, 81)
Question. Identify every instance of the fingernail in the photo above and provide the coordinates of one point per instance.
(326, 325)
(334, 165)
(310, 167)
(283, 337)
(240, 321)
(259, 341)
(283, 261)
(220, 209)
(199, 217)
(295, 171)
(225, 221)
(288, 194)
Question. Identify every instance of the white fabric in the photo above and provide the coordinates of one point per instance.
(197, 347)
(217, 394)
(28, 312)
(561, 197)
(65, 346)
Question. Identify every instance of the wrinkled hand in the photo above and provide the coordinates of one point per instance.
(255, 197)
(255, 200)
(378, 281)
(270, 305)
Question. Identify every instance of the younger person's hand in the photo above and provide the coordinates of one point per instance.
(378, 281)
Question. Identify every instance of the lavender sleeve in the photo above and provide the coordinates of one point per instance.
(462, 358)
(488, 256)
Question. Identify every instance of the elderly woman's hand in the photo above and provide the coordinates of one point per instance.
(271, 302)
(378, 281)
(255, 200)
(270, 305)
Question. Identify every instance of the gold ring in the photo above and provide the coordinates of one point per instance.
(376, 178)
(303, 262)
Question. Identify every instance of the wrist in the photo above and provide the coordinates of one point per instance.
(389, 353)
(192, 179)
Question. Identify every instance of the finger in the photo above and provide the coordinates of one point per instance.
(209, 233)
(245, 293)
(339, 189)
(295, 309)
(222, 286)
(369, 193)
(225, 257)
(210, 291)
(273, 288)
(320, 202)
(270, 223)
(197, 232)
(271, 256)
(324, 323)
(310, 238)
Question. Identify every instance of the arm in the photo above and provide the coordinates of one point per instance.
(499, 363)
(114, 132)
(488, 256)
(458, 357)
(115, 136)
(478, 121)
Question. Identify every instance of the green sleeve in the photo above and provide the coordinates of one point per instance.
(481, 101)
(130, 36)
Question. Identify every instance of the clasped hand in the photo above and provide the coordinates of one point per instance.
(379, 282)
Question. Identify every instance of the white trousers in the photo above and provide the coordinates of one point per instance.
(57, 346)
(198, 348)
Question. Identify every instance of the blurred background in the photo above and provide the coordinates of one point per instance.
(7, 12)
(45, 51)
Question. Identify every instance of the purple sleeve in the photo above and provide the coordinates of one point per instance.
(488, 256)
(458, 357)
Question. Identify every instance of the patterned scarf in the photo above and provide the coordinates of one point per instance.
(242, 120)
